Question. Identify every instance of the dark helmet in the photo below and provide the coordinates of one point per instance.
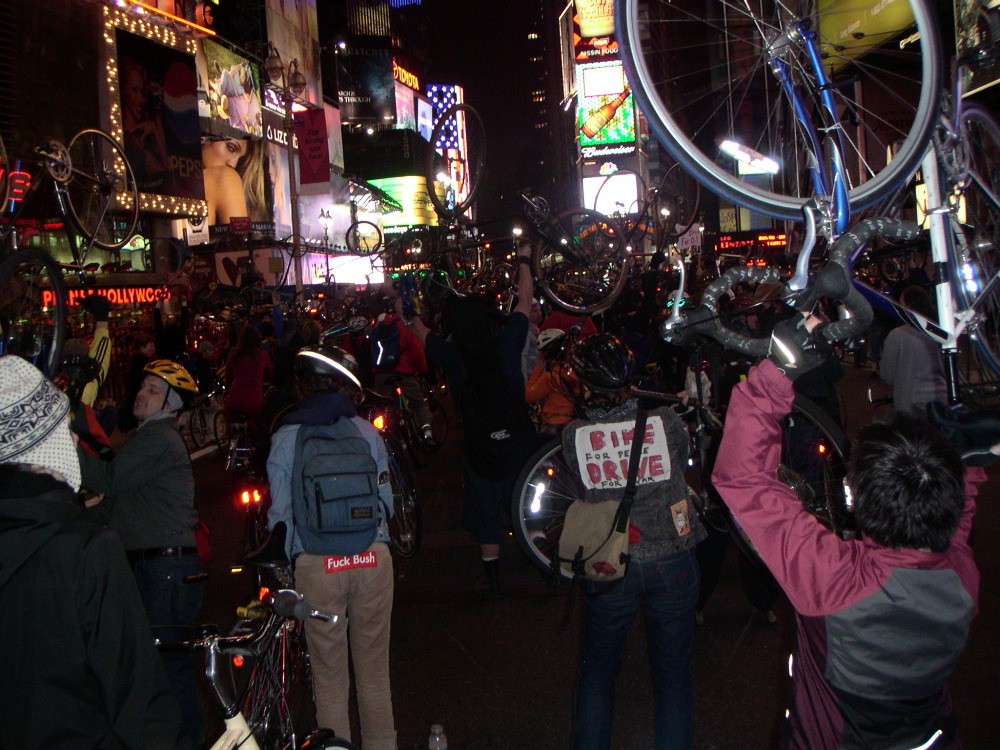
(602, 362)
(326, 361)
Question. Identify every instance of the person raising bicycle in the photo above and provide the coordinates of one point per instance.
(148, 501)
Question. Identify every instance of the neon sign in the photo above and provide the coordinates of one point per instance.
(405, 77)
(18, 183)
(117, 295)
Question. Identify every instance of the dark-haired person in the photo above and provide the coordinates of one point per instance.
(481, 358)
(882, 618)
(662, 578)
(148, 491)
(911, 361)
(78, 662)
(355, 583)
(248, 368)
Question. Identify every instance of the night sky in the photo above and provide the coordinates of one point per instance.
(478, 44)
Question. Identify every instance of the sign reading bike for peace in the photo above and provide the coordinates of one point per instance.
(603, 450)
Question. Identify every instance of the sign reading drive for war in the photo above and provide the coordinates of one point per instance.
(602, 453)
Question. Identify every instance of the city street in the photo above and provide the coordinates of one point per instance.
(499, 674)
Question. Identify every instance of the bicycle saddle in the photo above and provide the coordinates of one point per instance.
(271, 554)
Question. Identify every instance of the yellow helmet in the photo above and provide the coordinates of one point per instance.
(175, 375)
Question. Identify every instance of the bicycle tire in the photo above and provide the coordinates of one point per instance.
(591, 276)
(974, 257)
(406, 526)
(682, 198)
(102, 187)
(363, 238)
(221, 430)
(198, 427)
(546, 485)
(275, 675)
(470, 165)
(686, 90)
(33, 308)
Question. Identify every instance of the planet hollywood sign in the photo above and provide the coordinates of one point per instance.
(121, 295)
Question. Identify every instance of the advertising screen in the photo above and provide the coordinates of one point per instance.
(425, 117)
(594, 29)
(854, 27)
(619, 193)
(605, 112)
(406, 114)
(159, 115)
(293, 29)
(411, 192)
(363, 78)
(975, 21)
(229, 90)
(341, 269)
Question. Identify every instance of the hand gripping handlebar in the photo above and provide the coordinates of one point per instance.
(833, 281)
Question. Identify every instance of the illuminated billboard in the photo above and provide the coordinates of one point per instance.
(612, 194)
(293, 29)
(340, 269)
(849, 29)
(605, 111)
(594, 29)
(411, 192)
(228, 90)
(154, 113)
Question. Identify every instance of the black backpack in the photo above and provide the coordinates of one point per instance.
(385, 346)
(335, 500)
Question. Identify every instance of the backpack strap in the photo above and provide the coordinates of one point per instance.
(625, 508)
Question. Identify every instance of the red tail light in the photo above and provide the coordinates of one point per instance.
(379, 422)
(237, 661)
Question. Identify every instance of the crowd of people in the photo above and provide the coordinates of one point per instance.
(102, 545)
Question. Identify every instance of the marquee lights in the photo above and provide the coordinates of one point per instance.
(117, 19)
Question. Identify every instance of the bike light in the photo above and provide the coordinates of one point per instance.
(245, 497)
(536, 501)
(256, 496)
(237, 661)
(399, 391)
(821, 448)
(379, 422)
(550, 472)
(263, 593)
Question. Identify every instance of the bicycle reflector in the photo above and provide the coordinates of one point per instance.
(237, 661)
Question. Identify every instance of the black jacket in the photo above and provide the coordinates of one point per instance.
(78, 668)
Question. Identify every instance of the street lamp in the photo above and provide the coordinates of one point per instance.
(325, 219)
(293, 85)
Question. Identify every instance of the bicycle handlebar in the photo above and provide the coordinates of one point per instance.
(833, 281)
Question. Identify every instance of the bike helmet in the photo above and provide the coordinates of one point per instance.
(176, 376)
(548, 337)
(326, 361)
(602, 362)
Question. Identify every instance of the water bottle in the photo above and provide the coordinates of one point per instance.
(437, 740)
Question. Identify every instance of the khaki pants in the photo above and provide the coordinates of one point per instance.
(362, 598)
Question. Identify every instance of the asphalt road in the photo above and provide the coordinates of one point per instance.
(499, 674)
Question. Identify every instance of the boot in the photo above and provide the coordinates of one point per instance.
(490, 588)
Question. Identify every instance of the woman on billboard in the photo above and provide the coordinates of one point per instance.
(234, 180)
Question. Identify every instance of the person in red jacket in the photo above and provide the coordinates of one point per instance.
(398, 360)
(882, 618)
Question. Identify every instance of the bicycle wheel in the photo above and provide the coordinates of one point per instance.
(814, 464)
(704, 73)
(272, 687)
(680, 195)
(363, 238)
(33, 308)
(221, 430)
(4, 175)
(198, 427)
(406, 525)
(581, 262)
(461, 138)
(975, 256)
(103, 195)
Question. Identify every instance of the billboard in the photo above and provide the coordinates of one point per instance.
(411, 192)
(855, 27)
(229, 91)
(406, 113)
(363, 79)
(293, 29)
(612, 194)
(594, 29)
(159, 116)
(605, 112)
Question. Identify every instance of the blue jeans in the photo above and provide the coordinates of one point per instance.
(667, 590)
(171, 606)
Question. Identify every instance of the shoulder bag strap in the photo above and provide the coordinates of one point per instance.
(625, 508)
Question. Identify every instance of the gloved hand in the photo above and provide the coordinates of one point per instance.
(795, 349)
(975, 434)
(97, 305)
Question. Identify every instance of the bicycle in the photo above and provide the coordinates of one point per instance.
(255, 671)
(821, 147)
(91, 179)
(406, 523)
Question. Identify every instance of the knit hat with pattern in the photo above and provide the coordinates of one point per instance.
(33, 425)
